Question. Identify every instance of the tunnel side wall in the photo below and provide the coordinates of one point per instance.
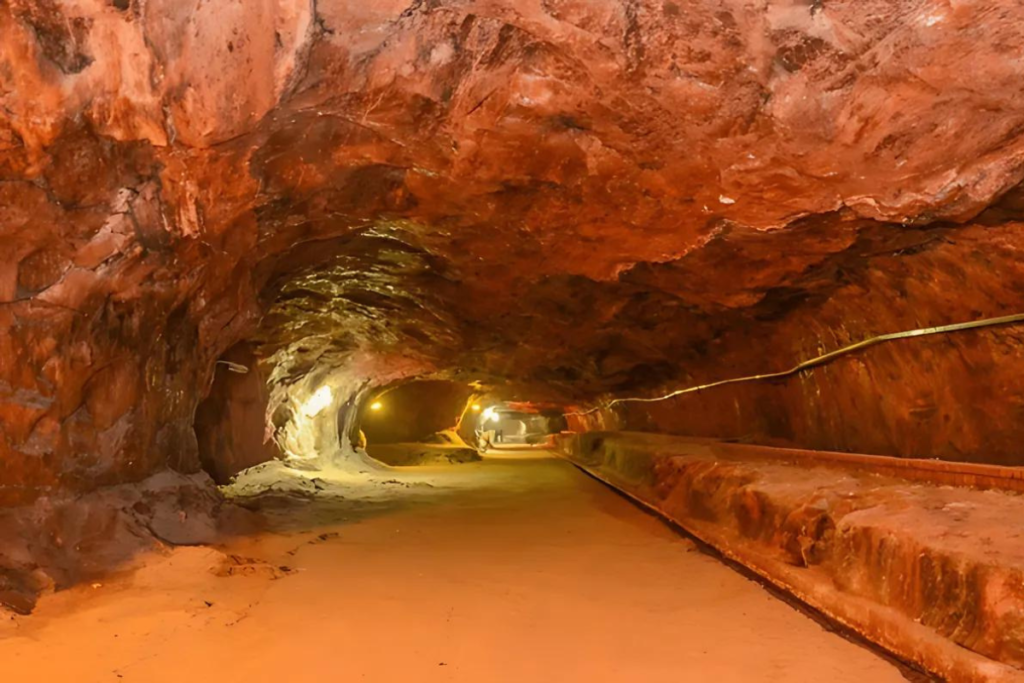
(956, 396)
(931, 573)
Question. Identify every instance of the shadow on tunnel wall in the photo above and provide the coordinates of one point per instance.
(230, 422)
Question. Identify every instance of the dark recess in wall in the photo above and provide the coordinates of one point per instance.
(230, 421)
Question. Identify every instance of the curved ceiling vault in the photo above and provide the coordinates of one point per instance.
(559, 199)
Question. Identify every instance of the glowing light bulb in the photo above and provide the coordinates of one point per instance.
(320, 399)
(376, 405)
(476, 407)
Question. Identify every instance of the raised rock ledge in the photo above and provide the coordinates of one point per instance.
(933, 573)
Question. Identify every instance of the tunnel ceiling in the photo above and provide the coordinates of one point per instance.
(571, 198)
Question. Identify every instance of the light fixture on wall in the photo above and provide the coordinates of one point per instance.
(376, 405)
(475, 407)
(320, 399)
(234, 367)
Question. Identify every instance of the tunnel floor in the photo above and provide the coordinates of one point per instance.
(516, 568)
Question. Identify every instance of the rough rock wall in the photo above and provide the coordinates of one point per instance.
(952, 396)
(118, 280)
(488, 190)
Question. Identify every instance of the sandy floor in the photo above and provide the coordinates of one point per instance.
(512, 569)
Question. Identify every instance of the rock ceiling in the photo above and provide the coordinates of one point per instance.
(564, 198)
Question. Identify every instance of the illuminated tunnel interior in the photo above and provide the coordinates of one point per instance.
(509, 340)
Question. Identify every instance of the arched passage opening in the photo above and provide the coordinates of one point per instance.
(419, 422)
(414, 411)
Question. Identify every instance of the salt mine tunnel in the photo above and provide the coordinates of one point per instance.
(511, 340)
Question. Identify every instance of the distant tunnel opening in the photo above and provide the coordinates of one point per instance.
(414, 411)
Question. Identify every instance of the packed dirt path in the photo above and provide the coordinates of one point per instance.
(518, 568)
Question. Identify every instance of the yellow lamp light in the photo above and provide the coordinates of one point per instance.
(317, 402)
(376, 405)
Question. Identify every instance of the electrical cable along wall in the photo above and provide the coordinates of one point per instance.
(813, 362)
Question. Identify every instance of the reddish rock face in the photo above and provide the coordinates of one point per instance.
(562, 200)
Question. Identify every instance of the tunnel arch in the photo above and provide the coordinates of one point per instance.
(408, 223)
(415, 410)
